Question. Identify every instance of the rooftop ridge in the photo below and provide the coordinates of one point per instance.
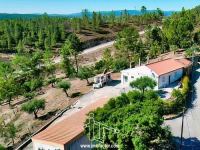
(158, 61)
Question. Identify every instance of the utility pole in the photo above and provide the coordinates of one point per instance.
(182, 128)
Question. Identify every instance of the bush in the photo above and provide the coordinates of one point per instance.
(179, 97)
(52, 80)
(29, 95)
(134, 96)
(2, 148)
(185, 85)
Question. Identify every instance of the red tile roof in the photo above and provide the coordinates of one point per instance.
(168, 65)
(68, 129)
(185, 62)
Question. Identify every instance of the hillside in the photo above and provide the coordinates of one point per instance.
(116, 12)
(47, 32)
(40, 39)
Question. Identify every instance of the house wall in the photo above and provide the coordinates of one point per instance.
(132, 77)
(163, 80)
(74, 145)
(37, 145)
(79, 144)
(156, 78)
(124, 81)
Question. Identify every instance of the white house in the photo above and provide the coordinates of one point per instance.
(129, 75)
(163, 72)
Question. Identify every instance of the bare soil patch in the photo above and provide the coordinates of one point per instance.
(55, 99)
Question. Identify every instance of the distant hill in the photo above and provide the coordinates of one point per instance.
(117, 13)
(13, 16)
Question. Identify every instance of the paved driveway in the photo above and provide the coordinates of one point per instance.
(191, 128)
(113, 89)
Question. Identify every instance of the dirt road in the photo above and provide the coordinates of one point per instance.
(94, 49)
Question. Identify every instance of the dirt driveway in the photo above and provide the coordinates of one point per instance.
(111, 90)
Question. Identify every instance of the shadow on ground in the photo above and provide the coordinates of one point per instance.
(195, 76)
(48, 115)
(188, 143)
(191, 143)
(114, 83)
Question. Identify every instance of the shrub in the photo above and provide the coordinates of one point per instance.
(2, 148)
(52, 80)
(134, 96)
(179, 97)
(29, 95)
(185, 85)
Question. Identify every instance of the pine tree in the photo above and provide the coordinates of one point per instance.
(85, 17)
(20, 47)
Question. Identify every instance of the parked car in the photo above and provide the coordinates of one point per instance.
(101, 80)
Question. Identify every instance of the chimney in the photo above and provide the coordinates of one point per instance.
(147, 59)
(139, 62)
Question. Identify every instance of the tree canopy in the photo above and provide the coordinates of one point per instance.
(86, 73)
(127, 44)
(143, 83)
(65, 85)
(137, 120)
(34, 106)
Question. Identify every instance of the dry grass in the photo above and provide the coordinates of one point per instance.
(56, 100)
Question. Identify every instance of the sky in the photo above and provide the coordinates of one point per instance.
(74, 6)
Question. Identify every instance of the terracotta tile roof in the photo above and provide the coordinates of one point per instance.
(168, 65)
(68, 129)
(185, 62)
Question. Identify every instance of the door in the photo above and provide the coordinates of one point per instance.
(169, 79)
(125, 79)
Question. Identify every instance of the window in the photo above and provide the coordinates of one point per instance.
(153, 75)
(132, 77)
(125, 79)
(163, 79)
(41, 148)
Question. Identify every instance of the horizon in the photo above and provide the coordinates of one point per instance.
(81, 11)
(76, 6)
